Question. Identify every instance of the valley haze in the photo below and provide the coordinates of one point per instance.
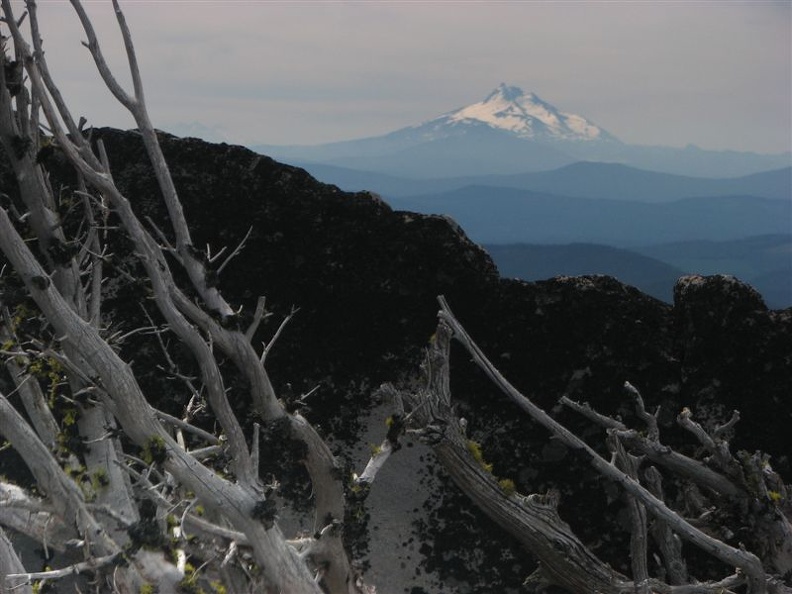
(551, 193)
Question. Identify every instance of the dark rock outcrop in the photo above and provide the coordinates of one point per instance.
(365, 278)
(736, 354)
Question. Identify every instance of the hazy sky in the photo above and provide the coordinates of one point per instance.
(714, 73)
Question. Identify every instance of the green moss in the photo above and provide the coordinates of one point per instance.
(76, 472)
(99, 479)
(508, 487)
(155, 451)
(70, 416)
(172, 520)
(475, 450)
(189, 583)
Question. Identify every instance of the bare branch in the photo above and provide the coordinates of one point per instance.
(176, 422)
(10, 565)
(669, 544)
(721, 429)
(66, 498)
(629, 465)
(592, 415)
(258, 316)
(33, 517)
(34, 401)
(101, 65)
(396, 426)
(277, 334)
(49, 83)
(745, 560)
(130, 50)
(532, 520)
(661, 454)
(235, 252)
(93, 564)
(649, 419)
(718, 449)
(134, 414)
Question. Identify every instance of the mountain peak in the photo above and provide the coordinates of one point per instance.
(505, 92)
(508, 108)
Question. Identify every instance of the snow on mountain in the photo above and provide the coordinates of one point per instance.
(510, 109)
(512, 132)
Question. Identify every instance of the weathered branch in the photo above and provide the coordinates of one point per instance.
(64, 495)
(661, 454)
(174, 306)
(240, 246)
(34, 401)
(718, 449)
(670, 544)
(747, 484)
(34, 517)
(532, 520)
(137, 107)
(101, 64)
(139, 423)
(10, 565)
(91, 565)
(258, 316)
(746, 561)
(396, 425)
(653, 433)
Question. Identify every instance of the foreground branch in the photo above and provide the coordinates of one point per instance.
(533, 519)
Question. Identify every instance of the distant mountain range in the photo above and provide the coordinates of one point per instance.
(583, 179)
(552, 193)
(508, 215)
(645, 228)
(538, 262)
(763, 261)
(513, 132)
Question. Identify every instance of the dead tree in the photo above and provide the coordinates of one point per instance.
(119, 508)
(745, 484)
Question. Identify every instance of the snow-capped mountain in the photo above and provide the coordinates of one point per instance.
(511, 132)
(510, 109)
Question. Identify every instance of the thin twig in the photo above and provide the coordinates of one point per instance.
(235, 252)
(258, 316)
(210, 437)
(272, 341)
(91, 565)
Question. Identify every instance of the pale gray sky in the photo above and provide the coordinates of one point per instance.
(717, 74)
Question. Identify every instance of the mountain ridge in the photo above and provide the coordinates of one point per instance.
(508, 215)
(581, 179)
(765, 262)
(536, 262)
(511, 132)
